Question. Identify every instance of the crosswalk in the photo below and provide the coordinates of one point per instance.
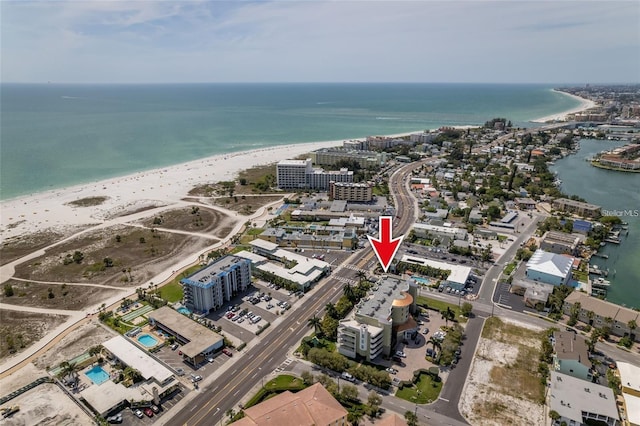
(346, 280)
(355, 268)
(283, 366)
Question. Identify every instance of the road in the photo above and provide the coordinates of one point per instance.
(210, 406)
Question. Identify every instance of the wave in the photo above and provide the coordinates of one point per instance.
(388, 118)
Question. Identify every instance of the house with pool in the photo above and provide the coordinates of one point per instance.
(106, 396)
(198, 342)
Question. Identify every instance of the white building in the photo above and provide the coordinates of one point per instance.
(630, 382)
(210, 287)
(456, 279)
(424, 229)
(292, 174)
(549, 268)
(577, 401)
(299, 174)
(379, 320)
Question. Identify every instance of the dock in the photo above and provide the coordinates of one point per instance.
(612, 240)
(602, 256)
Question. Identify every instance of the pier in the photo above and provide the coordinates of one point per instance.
(600, 255)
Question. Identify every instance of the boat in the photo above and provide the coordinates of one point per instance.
(600, 282)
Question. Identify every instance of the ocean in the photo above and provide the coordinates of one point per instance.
(54, 135)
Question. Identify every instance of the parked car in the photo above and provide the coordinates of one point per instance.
(348, 377)
(401, 354)
(210, 359)
(425, 331)
(174, 346)
(148, 412)
(138, 413)
(391, 370)
(227, 352)
(155, 409)
(195, 378)
(115, 419)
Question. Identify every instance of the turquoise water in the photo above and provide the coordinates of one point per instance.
(55, 136)
(147, 340)
(97, 375)
(613, 191)
(423, 281)
(184, 311)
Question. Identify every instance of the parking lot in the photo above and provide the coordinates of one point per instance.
(129, 418)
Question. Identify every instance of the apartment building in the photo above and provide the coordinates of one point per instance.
(348, 191)
(299, 174)
(549, 268)
(576, 207)
(212, 286)
(380, 320)
(365, 159)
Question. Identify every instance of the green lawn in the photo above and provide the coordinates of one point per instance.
(424, 391)
(509, 268)
(275, 386)
(171, 292)
(255, 231)
(438, 305)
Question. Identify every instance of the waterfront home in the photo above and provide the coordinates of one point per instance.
(571, 355)
(603, 313)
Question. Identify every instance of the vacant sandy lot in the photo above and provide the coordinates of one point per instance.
(503, 387)
(73, 344)
(18, 330)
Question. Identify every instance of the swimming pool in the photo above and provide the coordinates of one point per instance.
(147, 340)
(423, 281)
(97, 375)
(184, 311)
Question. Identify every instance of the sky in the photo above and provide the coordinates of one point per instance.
(320, 41)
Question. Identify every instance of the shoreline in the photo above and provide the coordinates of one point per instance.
(585, 104)
(50, 209)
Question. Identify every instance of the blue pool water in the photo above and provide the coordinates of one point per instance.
(423, 281)
(147, 340)
(97, 375)
(184, 311)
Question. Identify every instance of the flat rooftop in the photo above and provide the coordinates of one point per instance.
(459, 273)
(200, 337)
(134, 357)
(391, 292)
(570, 396)
(206, 275)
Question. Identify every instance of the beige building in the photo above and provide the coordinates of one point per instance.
(576, 207)
(380, 320)
(313, 406)
(349, 191)
(619, 316)
(560, 242)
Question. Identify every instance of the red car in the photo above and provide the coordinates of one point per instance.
(148, 412)
(227, 352)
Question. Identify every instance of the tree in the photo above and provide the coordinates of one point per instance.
(243, 181)
(354, 417)
(435, 343)
(78, 256)
(632, 328)
(349, 292)
(349, 393)
(411, 418)
(554, 415)
(373, 401)
(331, 310)
(315, 322)
(8, 290)
(68, 369)
(448, 315)
(108, 262)
(466, 309)
(231, 413)
(307, 378)
(493, 212)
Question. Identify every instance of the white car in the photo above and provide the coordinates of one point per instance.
(138, 414)
(401, 354)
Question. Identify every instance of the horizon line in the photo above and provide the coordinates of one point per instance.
(320, 82)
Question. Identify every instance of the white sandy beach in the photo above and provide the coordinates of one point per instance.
(50, 209)
(585, 104)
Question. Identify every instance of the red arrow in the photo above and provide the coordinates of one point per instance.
(386, 247)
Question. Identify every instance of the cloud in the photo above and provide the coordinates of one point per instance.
(156, 41)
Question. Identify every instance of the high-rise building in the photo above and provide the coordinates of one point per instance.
(349, 191)
(210, 287)
(298, 174)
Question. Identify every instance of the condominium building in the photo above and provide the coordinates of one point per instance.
(576, 207)
(380, 320)
(549, 268)
(365, 159)
(210, 287)
(292, 174)
(298, 174)
(348, 191)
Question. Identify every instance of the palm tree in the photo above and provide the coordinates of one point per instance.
(349, 292)
(68, 369)
(590, 316)
(354, 417)
(95, 350)
(632, 327)
(361, 275)
(435, 343)
(315, 323)
(448, 315)
(331, 310)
